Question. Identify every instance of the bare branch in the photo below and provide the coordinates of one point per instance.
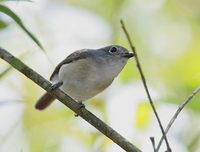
(185, 102)
(153, 143)
(145, 84)
(69, 102)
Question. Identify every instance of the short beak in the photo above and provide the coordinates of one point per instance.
(128, 55)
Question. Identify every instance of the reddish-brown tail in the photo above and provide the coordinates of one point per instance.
(44, 101)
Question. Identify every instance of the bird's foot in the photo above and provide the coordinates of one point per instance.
(55, 86)
(81, 105)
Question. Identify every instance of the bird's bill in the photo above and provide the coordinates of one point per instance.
(128, 55)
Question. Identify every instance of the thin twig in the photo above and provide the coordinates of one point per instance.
(185, 102)
(145, 84)
(69, 102)
(153, 143)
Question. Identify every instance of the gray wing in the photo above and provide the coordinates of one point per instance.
(77, 55)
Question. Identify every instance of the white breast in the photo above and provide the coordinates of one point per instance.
(84, 79)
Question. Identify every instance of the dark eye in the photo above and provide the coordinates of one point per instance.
(113, 50)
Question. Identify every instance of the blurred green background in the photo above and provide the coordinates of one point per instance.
(166, 35)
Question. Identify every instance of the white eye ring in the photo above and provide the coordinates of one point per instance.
(113, 50)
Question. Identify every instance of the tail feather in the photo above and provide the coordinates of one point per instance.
(44, 101)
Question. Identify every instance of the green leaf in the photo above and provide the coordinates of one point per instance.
(3, 24)
(143, 115)
(2, 74)
(11, 14)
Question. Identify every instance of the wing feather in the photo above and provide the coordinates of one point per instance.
(77, 55)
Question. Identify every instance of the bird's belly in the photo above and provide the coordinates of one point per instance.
(83, 89)
(82, 84)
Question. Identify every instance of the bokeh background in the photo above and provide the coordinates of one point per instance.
(166, 35)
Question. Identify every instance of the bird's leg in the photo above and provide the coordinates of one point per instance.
(80, 106)
(55, 86)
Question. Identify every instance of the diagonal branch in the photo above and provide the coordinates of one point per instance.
(185, 102)
(145, 84)
(69, 102)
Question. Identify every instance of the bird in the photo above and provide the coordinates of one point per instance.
(86, 72)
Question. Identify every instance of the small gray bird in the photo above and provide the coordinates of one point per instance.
(87, 72)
